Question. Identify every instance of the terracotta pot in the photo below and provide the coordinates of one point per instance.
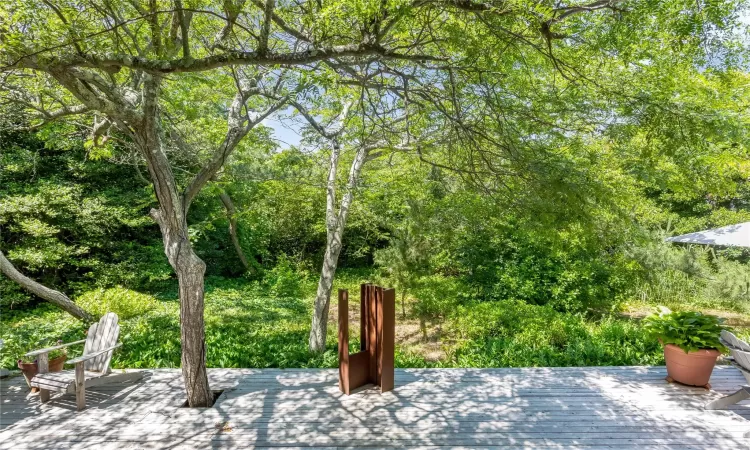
(693, 369)
(31, 369)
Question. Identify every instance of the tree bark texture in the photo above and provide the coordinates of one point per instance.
(335, 225)
(232, 217)
(55, 297)
(190, 269)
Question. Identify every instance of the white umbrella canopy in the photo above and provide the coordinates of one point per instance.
(737, 235)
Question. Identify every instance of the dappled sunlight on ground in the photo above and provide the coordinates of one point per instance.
(623, 407)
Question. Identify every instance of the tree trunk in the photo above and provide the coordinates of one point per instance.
(335, 224)
(323, 297)
(55, 297)
(190, 270)
(229, 206)
(190, 275)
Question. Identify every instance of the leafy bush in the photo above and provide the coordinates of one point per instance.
(730, 282)
(437, 297)
(66, 224)
(677, 276)
(512, 333)
(689, 330)
(568, 269)
(283, 280)
(24, 331)
(11, 294)
(123, 302)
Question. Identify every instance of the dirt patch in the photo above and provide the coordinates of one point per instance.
(428, 343)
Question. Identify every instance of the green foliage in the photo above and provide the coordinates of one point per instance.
(407, 258)
(65, 224)
(248, 326)
(123, 302)
(12, 295)
(689, 330)
(564, 164)
(51, 355)
(436, 297)
(694, 275)
(283, 280)
(34, 329)
(516, 334)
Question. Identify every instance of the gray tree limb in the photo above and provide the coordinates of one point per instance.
(57, 298)
(232, 217)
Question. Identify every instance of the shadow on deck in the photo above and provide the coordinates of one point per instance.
(473, 408)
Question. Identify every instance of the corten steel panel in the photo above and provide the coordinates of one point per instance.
(372, 332)
(388, 339)
(378, 299)
(374, 364)
(359, 368)
(362, 318)
(344, 341)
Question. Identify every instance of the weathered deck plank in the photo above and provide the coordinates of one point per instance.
(594, 407)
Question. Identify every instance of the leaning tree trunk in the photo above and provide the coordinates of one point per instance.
(335, 224)
(323, 297)
(55, 297)
(233, 235)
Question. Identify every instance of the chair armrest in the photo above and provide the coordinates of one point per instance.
(92, 355)
(56, 347)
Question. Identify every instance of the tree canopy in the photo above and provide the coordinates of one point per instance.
(587, 117)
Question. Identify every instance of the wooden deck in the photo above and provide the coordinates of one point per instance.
(593, 407)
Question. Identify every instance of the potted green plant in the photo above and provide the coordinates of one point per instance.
(691, 344)
(55, 363)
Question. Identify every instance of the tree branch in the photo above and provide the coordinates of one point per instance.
(41, 291)
(229, 58)
(231, 216)
(184, 26)
(266, 30)
(238, 129)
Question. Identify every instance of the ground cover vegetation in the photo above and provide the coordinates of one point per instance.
(511, 168)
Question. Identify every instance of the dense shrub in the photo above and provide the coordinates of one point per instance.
(11, 294)
(436, 297)
(516, 334)
(64, 223)
(677, 276)
(123, 302)
(569, 272)
(24, 331)
(283, 280)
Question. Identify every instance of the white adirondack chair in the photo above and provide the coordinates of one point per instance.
(91, 369)
(740, 351)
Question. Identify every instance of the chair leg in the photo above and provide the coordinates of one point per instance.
(80, 386)
(720, 403)
(42, 363)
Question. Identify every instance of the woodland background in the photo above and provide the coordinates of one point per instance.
(519, 207)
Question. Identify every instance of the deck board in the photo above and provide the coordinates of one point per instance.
(591, 407)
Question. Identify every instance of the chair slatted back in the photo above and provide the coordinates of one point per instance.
(741, 358)
(733, 341)
(101, 335)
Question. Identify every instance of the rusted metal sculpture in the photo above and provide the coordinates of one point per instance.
(374, 362)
